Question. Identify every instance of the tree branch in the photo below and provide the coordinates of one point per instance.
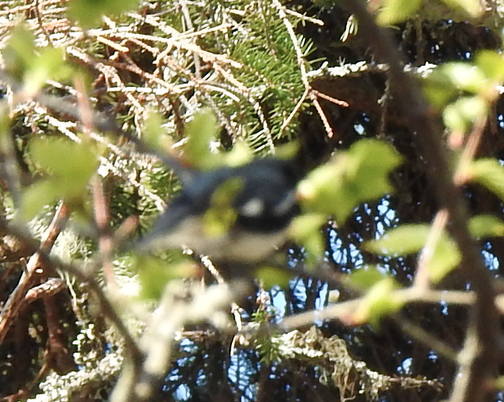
(484, 319)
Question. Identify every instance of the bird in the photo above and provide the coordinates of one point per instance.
(232, 214)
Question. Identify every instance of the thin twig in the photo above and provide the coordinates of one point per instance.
(330, 98)
(429, 340)
(422, 276)
(41, 23)
(302, 68)
(441, 219)
(344, 311)
(16, 298)
(106, 307)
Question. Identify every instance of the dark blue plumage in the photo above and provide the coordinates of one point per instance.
(263, 202)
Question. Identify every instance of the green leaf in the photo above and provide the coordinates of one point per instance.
(400, 241)
(154, 273)
(19, 52)
(30, 65)
(483, 226)
(396, 11)
(379, 301)
(490, 174)
(69, 161)
(352, 177)
(271, 276)
(36, 197)
(492, 65)
(221, 215)
(445, 259)
(364, 279)
(239, 155)
(154, 133)
(471, 7)
(499, 383)
(438, 88)
(69, 167)
(410, 239)
(446, 82)
(462, 113)
(88, 13)
(369, 165)
(201, 131)
(305, 230)
(49, 64)
(465, 76)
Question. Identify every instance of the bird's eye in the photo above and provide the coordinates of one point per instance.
(252, 208)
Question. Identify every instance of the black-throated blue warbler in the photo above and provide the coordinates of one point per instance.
(231, 214)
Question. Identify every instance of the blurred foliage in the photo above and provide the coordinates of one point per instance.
(215, 83)
(67, 167)
(357, 175)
